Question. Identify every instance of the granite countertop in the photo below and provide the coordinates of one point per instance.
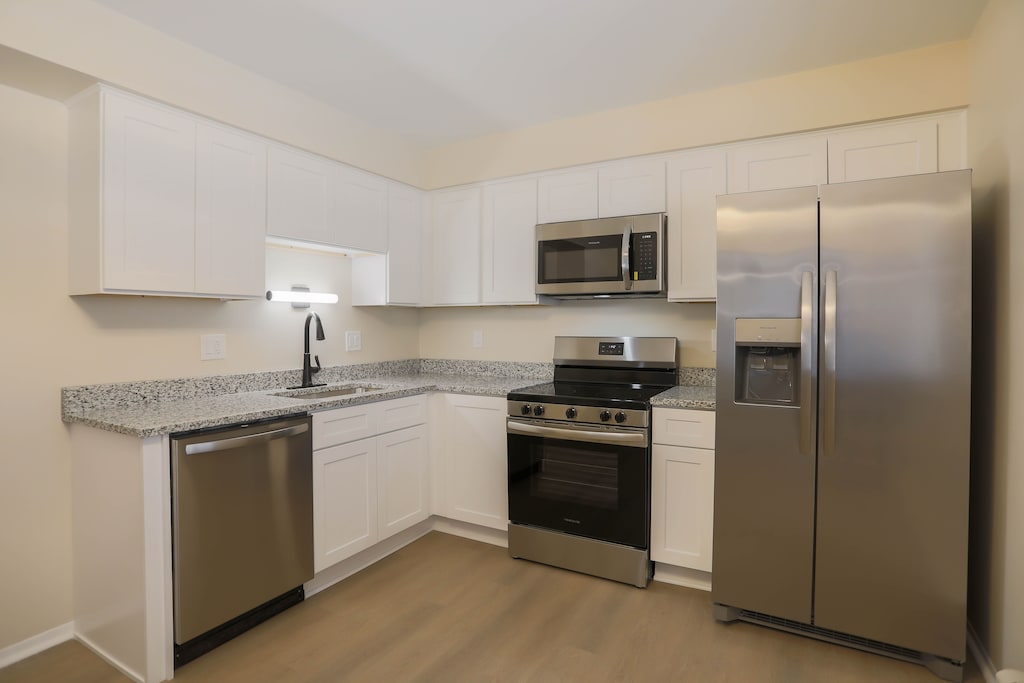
(693, 397)
(157, 407)
(171, 416)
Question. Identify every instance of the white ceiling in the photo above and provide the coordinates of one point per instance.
(439, 71)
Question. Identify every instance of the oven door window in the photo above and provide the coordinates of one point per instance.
(580, 259)
(594, 490)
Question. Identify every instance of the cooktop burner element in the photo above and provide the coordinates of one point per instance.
(617, 376)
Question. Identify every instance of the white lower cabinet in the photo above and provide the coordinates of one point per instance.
(367, 488)
(683, 487)
(344, 501)
(474, 460)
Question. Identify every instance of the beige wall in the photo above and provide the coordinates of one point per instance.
(89, 38)
(52, 340)
(930, 79)
(996, 148)
(526, 333)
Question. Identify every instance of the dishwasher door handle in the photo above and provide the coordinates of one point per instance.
(242, 441)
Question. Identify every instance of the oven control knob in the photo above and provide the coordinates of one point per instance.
(605, 416)
(538, 410)
(570, 413)
(620, 416)
(526, 409)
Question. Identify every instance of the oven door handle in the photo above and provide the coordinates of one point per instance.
(638, 439)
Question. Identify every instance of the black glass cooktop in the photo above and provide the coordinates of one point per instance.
(589, 394)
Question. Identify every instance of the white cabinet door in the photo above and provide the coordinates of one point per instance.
(360, 210)
(631, 187)
(403, 483)
(883, 151)
(299, 196)
(394, 278)
(682, 506)
(344, 501)
(567, 196)
(149, 209)
(476, 467)
(405, 226)
(509, 259)
(455, 233)
(695, 179)
(231, 212)
(793, 162)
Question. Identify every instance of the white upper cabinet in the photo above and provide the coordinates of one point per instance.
(149, 197)
(631, 187)
(394, 278)
(231, 196)
(300, 204)
(774, 165)
(455, 249)
(360, 210)
(695, 179)
(405, 227)
(567, 196)
(617, 189)
(883, 151)
(161, 202)
(508, 257)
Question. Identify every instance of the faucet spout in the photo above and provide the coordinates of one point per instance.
(307, 368)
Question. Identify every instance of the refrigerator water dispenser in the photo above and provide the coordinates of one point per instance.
(768, 361)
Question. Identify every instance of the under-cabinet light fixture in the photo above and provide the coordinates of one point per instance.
(300, 297)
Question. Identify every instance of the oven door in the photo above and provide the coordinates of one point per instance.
(580, 480)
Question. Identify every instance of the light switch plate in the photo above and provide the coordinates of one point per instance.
(213, 346)
(353, 340)
(478, 339)
(714, 339)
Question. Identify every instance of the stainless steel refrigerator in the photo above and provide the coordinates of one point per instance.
(843, 414)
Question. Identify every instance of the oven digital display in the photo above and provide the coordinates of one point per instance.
(610, 348)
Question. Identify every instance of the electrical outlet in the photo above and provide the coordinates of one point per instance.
(213, 346)
(353, 340)
(478, 339)
(714, 339)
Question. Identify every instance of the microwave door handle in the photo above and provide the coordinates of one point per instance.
(627, 233)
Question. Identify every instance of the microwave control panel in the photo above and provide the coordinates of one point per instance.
(644, 255)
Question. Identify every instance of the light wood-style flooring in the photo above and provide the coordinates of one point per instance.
(448, 609)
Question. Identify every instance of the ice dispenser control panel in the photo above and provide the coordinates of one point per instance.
(768, 361)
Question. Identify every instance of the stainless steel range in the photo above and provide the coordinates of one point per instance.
(579, 457)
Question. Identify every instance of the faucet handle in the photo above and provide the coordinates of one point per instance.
(317, 368)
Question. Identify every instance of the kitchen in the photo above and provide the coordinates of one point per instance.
(63, 341)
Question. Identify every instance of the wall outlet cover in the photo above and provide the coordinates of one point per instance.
(478, 339)
(353, 340)
(213, 346)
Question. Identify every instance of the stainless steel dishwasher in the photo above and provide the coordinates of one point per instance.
(242, 528)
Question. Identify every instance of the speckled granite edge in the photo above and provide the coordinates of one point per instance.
(693, 397)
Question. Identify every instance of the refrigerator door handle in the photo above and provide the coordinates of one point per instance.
(829, 364)
(806, 362)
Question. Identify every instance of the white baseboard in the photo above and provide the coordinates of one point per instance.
(360, 561)
(36, 644)
(680, 576)
(988, 670)
(110, 659)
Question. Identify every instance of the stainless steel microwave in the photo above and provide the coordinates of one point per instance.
(619, 256)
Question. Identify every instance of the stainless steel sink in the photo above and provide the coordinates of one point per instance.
(306, 395)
